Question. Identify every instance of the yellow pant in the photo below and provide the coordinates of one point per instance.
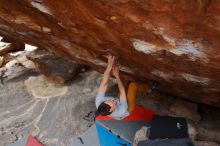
(133, 88)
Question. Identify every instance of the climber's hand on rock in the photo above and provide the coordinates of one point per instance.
(111, 61)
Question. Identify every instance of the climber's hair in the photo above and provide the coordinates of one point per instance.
(103, 109)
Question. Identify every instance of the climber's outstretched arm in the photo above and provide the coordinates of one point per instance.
(104, 83)
(121, 87)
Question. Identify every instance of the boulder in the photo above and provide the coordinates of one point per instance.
(53, 67)
(173, 42)
(185, 109)
(192, 131)
(209, 133)
(9, 47)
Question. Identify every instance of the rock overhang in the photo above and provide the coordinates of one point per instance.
(173, 42)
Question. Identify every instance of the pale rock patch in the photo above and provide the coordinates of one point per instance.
(192, 131)
(144, 47)
(39, 87)
(161, 31)
(25, 62)
(41, 7)
(30, 47)
(165, 75)
(126, 69)
(195, 79)
(1, 61)
(191, 49)
(11, 63)
(46, 29)
(186, 47)
(141, 135)
(22, 59)
(98, 62)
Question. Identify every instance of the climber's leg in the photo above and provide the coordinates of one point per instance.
(131, 96)
(133, 88)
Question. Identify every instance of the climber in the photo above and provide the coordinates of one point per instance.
(114, 107)
(121, 107)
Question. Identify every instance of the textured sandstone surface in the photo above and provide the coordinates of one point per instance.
(173, 42)
(9, 47)
(53, 67)
(185, 109)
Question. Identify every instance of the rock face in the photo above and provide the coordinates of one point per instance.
(185, 109)
(11, 47)
(1, 60)
(56, 68)
(173, 42)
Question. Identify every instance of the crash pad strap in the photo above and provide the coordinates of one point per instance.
(139, 113)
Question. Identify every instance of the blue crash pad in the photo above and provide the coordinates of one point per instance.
(106, 138)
